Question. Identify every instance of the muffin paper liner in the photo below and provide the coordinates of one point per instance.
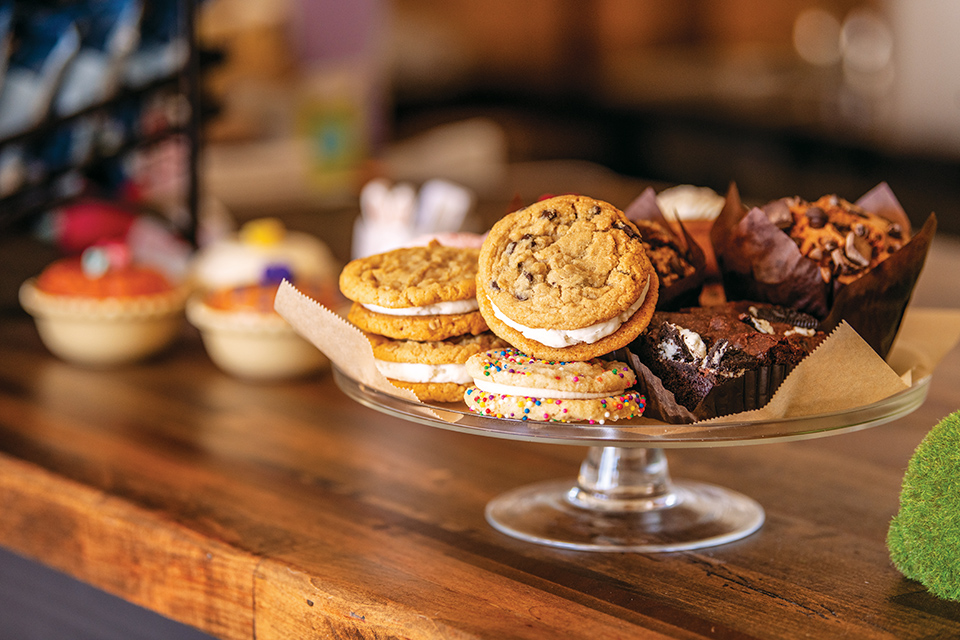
(685, 292)
(759, 261)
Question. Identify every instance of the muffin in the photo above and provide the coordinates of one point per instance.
(831, 258)
(99, 309)
(247, 338)
(704, 362)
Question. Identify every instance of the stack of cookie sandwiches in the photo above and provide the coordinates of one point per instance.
(565, 282)
(418, 308)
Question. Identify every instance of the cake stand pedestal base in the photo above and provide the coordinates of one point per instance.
(624, 500)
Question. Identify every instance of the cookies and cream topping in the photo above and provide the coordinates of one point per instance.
(424, 373)
(559, 338)
(436, 309)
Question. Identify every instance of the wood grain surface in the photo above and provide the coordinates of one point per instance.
(287, 510)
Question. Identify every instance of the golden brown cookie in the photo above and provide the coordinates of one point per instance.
(434, 370)
(412, 277)
(566, 278)
(436, 327)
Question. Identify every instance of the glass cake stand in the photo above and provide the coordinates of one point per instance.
(624, 499)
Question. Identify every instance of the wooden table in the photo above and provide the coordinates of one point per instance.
(289, 511)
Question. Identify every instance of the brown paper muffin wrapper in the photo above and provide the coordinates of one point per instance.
(759, 261)
(748, 392)
(685, 292)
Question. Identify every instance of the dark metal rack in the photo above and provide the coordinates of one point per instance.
(59, 186)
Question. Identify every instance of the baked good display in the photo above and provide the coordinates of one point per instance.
(100, 309)
(831, 258)
(566, 278)
(722, 359)
(510, 384)
(245, 337)
(435, 370)
(415, 293)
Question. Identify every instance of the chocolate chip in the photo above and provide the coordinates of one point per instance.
(526, 236)
(816, 217)
(549, 214)
(528, 276)
(594, 210)
(521, 295)
(627, 229)
(510, 247)
(494, 285)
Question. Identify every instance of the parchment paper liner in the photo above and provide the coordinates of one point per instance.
(759, 261)
(843, 373)
(685, 292)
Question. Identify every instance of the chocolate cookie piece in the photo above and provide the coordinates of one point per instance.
(566, 278)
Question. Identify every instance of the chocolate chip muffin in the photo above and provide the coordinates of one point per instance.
(845, 240)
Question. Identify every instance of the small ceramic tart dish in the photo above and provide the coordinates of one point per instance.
(247, 338)
(510, 384)
(434, 370)
(566, 278)
(99, 310)
(415, 293)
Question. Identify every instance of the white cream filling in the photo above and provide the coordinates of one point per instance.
(416, 372)
(531, 392)
(438, 309)
(559, 338)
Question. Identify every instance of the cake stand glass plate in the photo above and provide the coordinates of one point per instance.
(623, 498)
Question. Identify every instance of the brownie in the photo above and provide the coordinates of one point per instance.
(725, 358)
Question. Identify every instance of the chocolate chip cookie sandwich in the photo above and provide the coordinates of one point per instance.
(566, 279)
(832, 258)
(415, 293)
(434, 370)
(704, 362)
(510, 384)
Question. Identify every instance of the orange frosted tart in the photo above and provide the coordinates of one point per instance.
(247, 338)
(99, 309)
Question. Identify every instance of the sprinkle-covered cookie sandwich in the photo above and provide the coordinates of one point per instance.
(566, 278)
(510, 384)
(415, 293)
(434, 370)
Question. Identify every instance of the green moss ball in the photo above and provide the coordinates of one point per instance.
(924, 536)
